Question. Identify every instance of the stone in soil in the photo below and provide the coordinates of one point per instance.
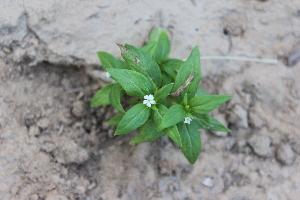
(260, 145)
(285, 154)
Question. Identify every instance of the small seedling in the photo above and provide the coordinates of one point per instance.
(163, 95)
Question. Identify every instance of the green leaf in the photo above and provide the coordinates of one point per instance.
(166, 79)
(134, 83)
(115, 96)
(171, 66)
(207, 122)
(173, 116)
(185, 100)
(102, 96)
(147, 133)
(200, 92)
(109, 61)
(162, 93)
(204, 104)
(162, 47)
(149, 48)
(134, 118)
(172, 132)
(191, 65)
(116, 119)
(139, 61)
(191, 142)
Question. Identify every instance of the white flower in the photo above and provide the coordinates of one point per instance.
(149, 99)
(107, 75)
(187, 120)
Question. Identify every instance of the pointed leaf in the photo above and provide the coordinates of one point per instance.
(191, 65)
(134, 118)
(174, 134)
(134, 83)
(148, 133)
(109, 61)
(204, 104)
(200, 92)
(191, 142)
(173, 116)
(139, 61)
(116, 119)
(115, 96)
(102, 96)
(163, 92)
(207, 122)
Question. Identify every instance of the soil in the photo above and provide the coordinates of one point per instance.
(54, 147)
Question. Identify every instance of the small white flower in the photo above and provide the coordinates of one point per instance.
(107, 75)
(187, 120)
(149, 100)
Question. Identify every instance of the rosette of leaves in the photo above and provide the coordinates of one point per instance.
(179, 107)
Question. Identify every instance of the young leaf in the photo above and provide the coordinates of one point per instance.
(116, 119)
(102, 96)
(185, 100)
(172, 132)
(147, 133)
(173, 116)
(139, 61)
(115, 96)
(162, 93)
(191, 142)
(207, 122)
(171, 66)
(149, 48)
(204, 104)
(162, 48)
(134, 118)
(109, 61)
(190, 66)
(134, 83)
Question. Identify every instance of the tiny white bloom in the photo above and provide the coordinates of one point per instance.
(149, 100)
(187, 120)
(107, 75)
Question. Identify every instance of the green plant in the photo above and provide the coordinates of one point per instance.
(163, 93)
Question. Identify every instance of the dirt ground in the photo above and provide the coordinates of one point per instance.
(54, 147)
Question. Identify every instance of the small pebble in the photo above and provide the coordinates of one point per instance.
(43, 123)
(239, 117)
(285, 154)
(260, 144)
(294, 57)
(255, 120)
(208, 182)
(79, 109)
(34, 130)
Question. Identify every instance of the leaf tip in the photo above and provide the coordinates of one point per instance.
(122, 48)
